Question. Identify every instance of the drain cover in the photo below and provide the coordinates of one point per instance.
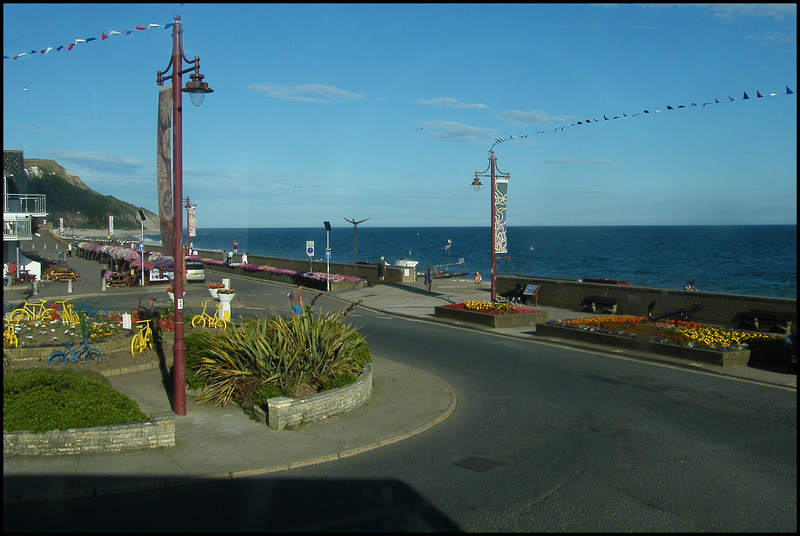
(476, 464)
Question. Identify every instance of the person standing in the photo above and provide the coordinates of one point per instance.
(296, 300)
(428, 279)
(381, 270)
(69, 249)
(244, 258)
(235, 246)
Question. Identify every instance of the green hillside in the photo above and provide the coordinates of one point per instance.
(66, 193)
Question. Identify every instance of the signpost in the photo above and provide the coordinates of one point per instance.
(310, 253)
(328, 251)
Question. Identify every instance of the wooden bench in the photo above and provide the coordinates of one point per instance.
(61, 273)
(762, 319)
(121, 280)
(594, 303)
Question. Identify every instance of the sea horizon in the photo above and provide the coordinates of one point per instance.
(756, 260)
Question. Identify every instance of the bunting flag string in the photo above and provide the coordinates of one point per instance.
(745, 96)
(103, 37)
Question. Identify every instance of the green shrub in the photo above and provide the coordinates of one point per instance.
(303, 349)
(39, 400)
(339, 380)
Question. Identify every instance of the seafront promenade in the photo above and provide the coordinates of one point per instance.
(395, 410)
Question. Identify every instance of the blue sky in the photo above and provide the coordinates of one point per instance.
(325, 112)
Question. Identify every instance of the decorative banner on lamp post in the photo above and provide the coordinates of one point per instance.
(500, 201)
(166, 211)
(190, 220)
(110, 225)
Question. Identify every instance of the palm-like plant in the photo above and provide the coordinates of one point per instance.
(305, 349)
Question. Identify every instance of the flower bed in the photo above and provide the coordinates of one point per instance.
(690, 340)
(315, 280)
(494, 315)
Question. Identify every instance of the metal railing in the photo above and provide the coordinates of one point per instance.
(33, 204)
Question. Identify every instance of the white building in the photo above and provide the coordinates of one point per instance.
(19, 213)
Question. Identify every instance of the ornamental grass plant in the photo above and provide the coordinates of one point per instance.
(679, 332)
(266, 357)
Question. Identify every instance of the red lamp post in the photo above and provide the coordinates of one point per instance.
(197, 90)
(498, 241)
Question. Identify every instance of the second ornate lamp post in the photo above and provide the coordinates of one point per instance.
(498, 201)
(355, 235)
(197, 90)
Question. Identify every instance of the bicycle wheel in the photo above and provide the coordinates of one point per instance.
(56, 357)
(19, 315)
(11, 339)
(93, 353)
(198, 321)
(221, 323)
(138, 344)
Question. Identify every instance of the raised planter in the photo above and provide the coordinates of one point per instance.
(286, 413)
(515, 320)
(731, 358)
(157, 432)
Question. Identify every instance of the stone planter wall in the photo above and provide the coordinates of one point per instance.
(493, 321)
(159, 431)
(286, 413)
(735, 358)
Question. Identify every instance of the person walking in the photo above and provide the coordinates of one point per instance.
(296, 300)
(428, 279)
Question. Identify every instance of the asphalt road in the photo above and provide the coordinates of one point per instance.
(544, 438)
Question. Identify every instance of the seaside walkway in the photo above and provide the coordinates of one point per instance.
(394, 412)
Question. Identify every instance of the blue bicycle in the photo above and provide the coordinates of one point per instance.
(83, 351)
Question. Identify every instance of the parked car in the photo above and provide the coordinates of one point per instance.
(195, 271)
(790, 348)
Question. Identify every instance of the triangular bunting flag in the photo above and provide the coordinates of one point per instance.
(789, 91)
(745, 96)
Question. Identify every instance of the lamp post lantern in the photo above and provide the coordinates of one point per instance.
(197, 90)
(498, 218)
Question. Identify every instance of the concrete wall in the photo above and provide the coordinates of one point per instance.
(159, 431)
(726, 309)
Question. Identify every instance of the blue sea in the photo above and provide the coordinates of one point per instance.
(753, 260)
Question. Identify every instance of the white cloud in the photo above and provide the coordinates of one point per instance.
(300, 93)
(449, 102)
(455, 131)
(735, 12)
(534, 117)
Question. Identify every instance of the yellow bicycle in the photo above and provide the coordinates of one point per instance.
(10, 333)
(67, 313)
(204, 319)
(144, 339)
(27, 312)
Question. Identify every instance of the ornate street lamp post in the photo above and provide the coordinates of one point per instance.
(197, 90)
(355, 233)
(498, 221)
